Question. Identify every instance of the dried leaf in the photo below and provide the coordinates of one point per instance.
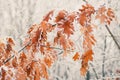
(110, 13)
(87, 56)
(85, 14)
(48, 16)
(43, 71)
(48, 46)
(76, 56)
(21, 75)
(10, 41)
(14, 62)
(83, 71)
(105, 15)
(37, 74)
(3, 72)
(68, 27)
(89, 39)
(48, 61)
(2, 47)
(63, 42)
(36, 36)
(8, 49)
(82, 19)
(61, 16)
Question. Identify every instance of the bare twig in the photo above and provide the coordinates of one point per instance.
(14, 55)
(85, 1)
(9, 59)
(103, 65)
(94, 71)
(40, 45)
(51, 47)
(112, 37)
(23, 48)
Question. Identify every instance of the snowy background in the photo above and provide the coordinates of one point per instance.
(16, 16)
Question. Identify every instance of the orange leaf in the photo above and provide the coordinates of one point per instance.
(2, 47)
(68, 27)
(87, 56)
(48, 46)
(21, 75)
(8, 49)
(76, 56)
(57, 37)
(63, 42)
(66, 22)
(36, 36)
(101, 10)
(44, 25)
(83, 71)
(14, 62)
(43, 71)
(31, 29)
(110, 13)
(71, 17)
(37, 74)
(42, 49)
(22, 56)
(48, 16)
(48, 61)
(89, 39)
(3, 74)
(82, 19)
(85, 14)
(61, 16)
(105, 15)
(10, 41)
(71, 44)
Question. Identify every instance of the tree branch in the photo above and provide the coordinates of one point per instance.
(14, 55)
(94, 71)
(40, 45)
(112, 37)
(8, 59)
(51, 47)
(103, 65)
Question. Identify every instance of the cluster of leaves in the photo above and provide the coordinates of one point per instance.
(27, 66)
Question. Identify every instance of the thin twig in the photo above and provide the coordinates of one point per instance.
(51, 47)
(112, 37)
(94, 71)
(40, 45)
(14, 55)
(103, 65)
(85, 1)
(60, 52)
(9, 59)
(70, 50)
(23, 48)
